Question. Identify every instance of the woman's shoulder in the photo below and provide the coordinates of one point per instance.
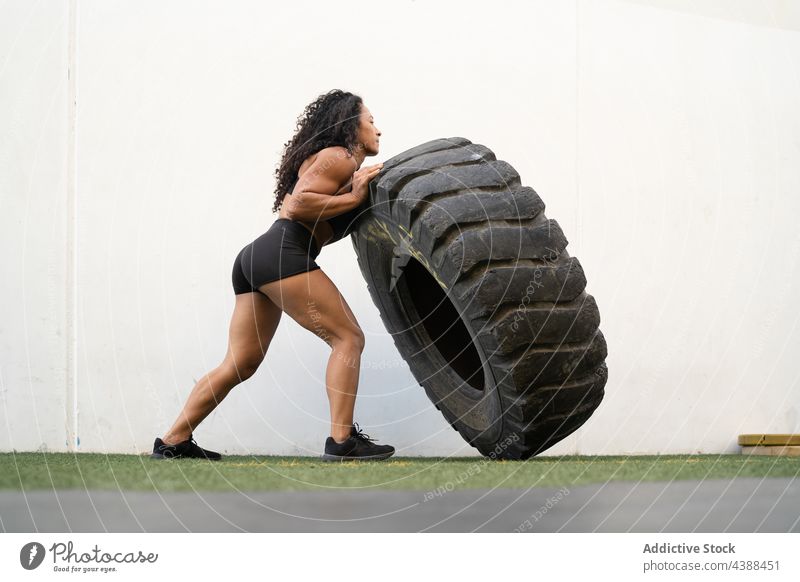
(335, 154)
(330, 156)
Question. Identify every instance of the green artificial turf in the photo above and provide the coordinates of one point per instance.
(29, 471)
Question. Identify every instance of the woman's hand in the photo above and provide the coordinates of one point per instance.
(361, 180)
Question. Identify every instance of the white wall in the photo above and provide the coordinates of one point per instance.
(661, 135)
(34, 274)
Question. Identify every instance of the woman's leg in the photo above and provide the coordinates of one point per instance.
(253, 324)
(313, 301)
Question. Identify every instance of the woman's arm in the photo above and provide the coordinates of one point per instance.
(312, 206)
(315, 197)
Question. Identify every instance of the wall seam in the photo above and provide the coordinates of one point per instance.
(73, 441)
(577, 150)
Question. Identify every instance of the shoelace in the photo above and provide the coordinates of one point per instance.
(361, 434)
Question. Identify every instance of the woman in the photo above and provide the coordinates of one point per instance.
(325, 190)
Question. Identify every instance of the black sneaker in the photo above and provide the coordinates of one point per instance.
(357, 447)
(185, 450)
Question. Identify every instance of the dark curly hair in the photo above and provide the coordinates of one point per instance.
(332, 119)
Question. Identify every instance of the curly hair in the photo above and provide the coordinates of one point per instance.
(332, 119)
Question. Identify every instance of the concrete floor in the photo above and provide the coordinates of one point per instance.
(722, 505)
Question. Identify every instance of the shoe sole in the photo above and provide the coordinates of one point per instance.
(334, 458)
(166, 458)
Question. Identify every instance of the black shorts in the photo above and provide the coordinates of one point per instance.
(287, 248)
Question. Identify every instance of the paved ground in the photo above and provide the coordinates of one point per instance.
(729, 505)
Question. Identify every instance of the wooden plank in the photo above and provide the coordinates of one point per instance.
(755, 440)
(772, 451)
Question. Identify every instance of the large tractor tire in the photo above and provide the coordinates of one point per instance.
(482, 300)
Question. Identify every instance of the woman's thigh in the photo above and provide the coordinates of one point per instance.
(253, 324)
(314, 301)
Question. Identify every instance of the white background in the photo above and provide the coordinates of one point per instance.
(232, 555)
(138, 150)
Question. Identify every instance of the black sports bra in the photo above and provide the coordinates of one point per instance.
(344, 223)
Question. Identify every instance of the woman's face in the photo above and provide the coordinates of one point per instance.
(368, 133)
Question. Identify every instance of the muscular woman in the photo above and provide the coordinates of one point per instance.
(321, 190)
